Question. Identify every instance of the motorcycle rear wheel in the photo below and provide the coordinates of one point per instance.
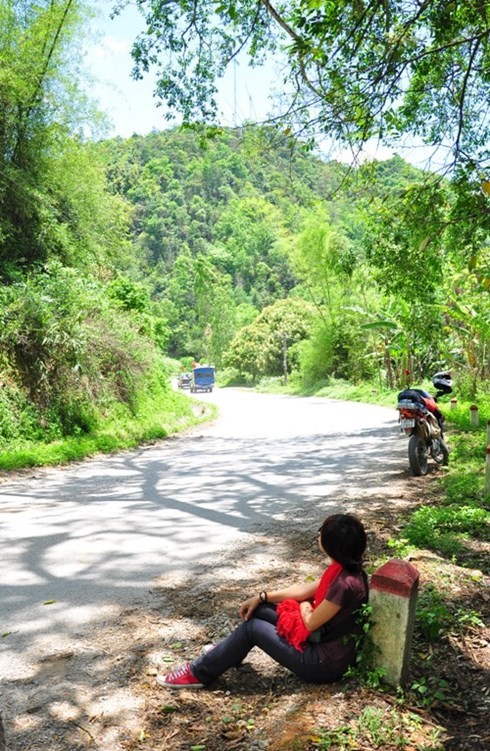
(417, 455)
(441, 454)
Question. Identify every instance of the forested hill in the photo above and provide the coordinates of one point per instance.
(265, 258)
(189, 191)
(233, 199)
(222, 224)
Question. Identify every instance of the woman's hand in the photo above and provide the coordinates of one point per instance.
(248, 607)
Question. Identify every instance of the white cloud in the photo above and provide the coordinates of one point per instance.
(369, 152)
(108, 48)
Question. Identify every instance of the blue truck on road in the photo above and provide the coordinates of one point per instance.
(202, 378)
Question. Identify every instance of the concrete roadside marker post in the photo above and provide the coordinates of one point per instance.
(393, 597)
(474, 417)
(454, 403)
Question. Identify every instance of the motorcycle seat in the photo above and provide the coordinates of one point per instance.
(410, 405)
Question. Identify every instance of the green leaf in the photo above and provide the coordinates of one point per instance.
(380, 325)
(49, 602)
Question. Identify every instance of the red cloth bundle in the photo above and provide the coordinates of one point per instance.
(290, 622)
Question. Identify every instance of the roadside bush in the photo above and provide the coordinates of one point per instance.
(17, 415)
(470, 390)
(70, 354)
(336, 349)
(433, 617)
(146, 315)
(233, 377)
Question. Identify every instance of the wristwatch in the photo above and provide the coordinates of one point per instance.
(263, 596)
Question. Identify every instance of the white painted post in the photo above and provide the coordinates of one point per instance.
(393, 596)
(474, 417)
(454, 403)
(487, 472)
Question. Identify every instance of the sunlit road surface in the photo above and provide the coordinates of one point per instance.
(77, 543)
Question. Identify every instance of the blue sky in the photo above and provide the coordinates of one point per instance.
(130, 105)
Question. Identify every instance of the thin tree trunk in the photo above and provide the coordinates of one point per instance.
(285, 358)
(37, 93)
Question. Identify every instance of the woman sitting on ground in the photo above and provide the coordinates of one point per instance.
(306, 627)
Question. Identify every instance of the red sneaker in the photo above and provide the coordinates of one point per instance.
(180, 678)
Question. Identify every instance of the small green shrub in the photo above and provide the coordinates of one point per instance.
(401, 547)
(468, 619)
(233, 377)
(365, 668)
(427, 691)
(433, 617)
(342, 738)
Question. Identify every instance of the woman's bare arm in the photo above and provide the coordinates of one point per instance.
(314, 619)
(299, 592)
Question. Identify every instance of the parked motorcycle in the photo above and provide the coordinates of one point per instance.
(421, 419)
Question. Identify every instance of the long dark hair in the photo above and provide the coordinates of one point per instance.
(343, 538)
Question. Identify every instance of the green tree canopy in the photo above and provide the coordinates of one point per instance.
(354, 69)
(416, 71)
(263, 347)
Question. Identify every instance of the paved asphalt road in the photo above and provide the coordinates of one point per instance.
(92, 537)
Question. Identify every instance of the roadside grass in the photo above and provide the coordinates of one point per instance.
(157, 415)
(453, 523)
(458, 519)
(332, 388)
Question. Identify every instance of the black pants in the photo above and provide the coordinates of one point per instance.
(260, 631)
